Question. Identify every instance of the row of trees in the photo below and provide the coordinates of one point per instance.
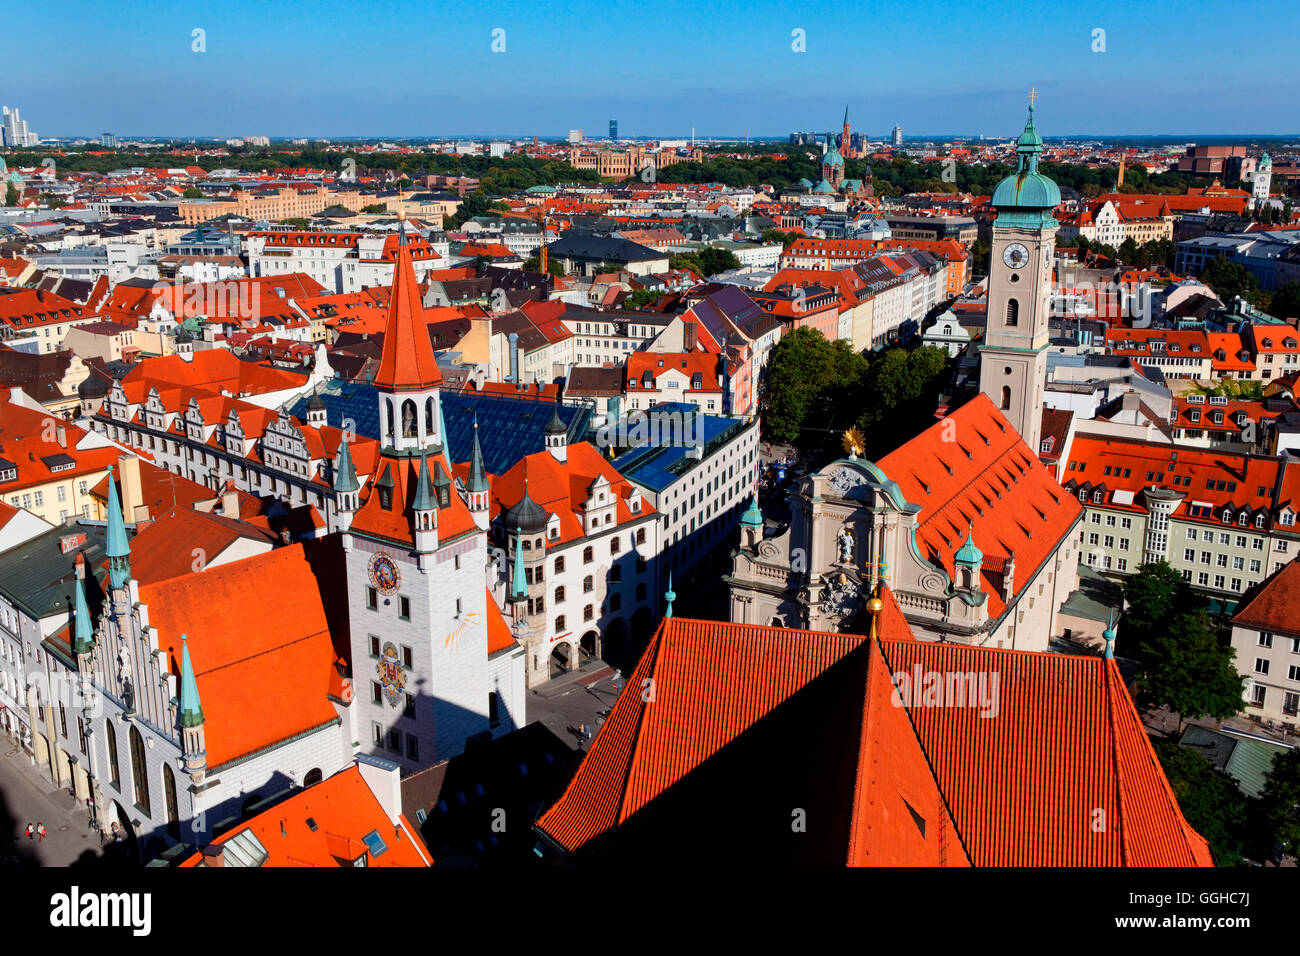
(1148, 255)
(705, 262)
(817, 389)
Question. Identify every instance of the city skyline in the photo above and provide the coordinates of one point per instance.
(236, 81)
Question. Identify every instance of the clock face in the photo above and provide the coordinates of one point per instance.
(384, 574)
(1015, 255)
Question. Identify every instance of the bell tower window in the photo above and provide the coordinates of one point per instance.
(1006, 397)
(1013, 312)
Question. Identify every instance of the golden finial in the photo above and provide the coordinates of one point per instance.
(401, 215)
(874, 607)
(853, 443)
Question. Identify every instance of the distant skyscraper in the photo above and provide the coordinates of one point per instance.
(14, 131)
(897, 137)
(575, 136)
(613, 129)
(109, 140)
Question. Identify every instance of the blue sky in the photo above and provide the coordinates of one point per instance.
(396, 68)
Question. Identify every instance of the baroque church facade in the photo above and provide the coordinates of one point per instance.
(976, 540)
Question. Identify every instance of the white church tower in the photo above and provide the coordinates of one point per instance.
(1013, 358)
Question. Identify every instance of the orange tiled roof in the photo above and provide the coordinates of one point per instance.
(408, 360)
(986, 479)
(1023, 787)
(241, 654)
(342, 811)
(1271, 605)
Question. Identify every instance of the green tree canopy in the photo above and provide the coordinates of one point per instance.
(1210, 800)
(1280, 801)
(1185, 665)
(1230, 279)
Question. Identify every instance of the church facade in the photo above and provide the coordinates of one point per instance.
(976, 540)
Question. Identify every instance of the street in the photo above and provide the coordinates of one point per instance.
(26, 798)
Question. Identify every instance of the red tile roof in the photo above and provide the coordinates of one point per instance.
(1061, 750)
(325, 825)
(1271, 605)
(242, 654)
(408, 360)
(972, 470)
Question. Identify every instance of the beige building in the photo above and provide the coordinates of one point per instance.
(284, 203)
(1266, 638)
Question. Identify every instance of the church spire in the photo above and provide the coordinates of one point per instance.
(407, 361)
(119, 550)
(191, 707)
(669, 596)
(345, 473)
(83, 634)
(424, 500)
(477, 473)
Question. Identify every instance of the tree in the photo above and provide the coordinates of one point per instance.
(1280, 800)
(804, 372)
(786, 239)
(641, 297)
(297, 222)
(11, 196)
(1286, 301)
(534, 264)
(1185, 665)
(1230, 279)
(192, 193)
(1128, 250)
(1210, 800)
(375, 207)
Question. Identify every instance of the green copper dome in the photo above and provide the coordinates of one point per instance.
(968, 554)
(833, 158)
(1026, 197)
(753, 517)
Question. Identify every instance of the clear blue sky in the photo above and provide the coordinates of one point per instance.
(292, 68)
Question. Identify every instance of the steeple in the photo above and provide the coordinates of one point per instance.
(119, 551)
(669, 596)
(424, 510)
(1109, 635)
(191, 707)
(751, 524)
(346, 485)
(407, 361)
(967, 562)
(193, 736)
(477, 473)
(83, 635)
(557, 436)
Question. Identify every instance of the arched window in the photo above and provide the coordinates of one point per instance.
(314, 776)
(428, 416)
(110, 738)
(586, 584)
(410, 420)
(388, 425)
(139, 771)
(1006, 397)
(169, 794)
(1013, 312)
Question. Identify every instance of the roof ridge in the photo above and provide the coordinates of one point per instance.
(665, 627)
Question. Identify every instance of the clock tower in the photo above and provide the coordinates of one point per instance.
(1013, 358)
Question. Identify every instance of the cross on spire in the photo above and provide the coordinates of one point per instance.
(1033, 95)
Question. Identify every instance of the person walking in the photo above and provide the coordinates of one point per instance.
(40, 830)
(29, 831)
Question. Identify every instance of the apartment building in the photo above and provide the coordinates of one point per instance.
(1225, 521)
(1266, 638)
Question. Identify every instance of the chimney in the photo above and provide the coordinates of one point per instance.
(688, 337)
(230, 503)
(214, 855)
(128, 470)
(62, 435)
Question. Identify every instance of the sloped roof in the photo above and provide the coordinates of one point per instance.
(1271, 605)
(408, 360)
(980, 474)
(242, 655)
(326, 825)
(734, 720)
